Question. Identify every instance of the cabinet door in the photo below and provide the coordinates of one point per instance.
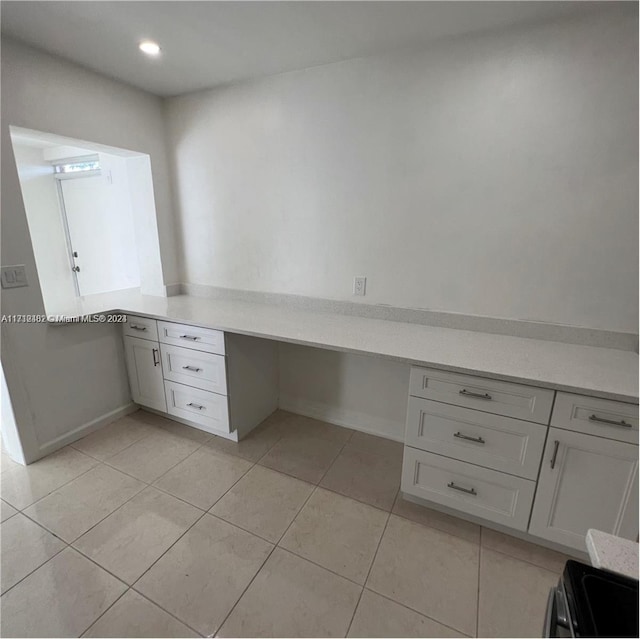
(145, 372)
(585, 482)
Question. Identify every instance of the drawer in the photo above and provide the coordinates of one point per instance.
(500, 443)
(200, 339)
(500, 398)
(209, 410)
(194, 368)
(143, 327)
(594, 416)
(480, 492)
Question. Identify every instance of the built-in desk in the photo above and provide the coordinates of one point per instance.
(532, 436)
(599, 372)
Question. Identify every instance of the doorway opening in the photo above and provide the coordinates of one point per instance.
(84, 204)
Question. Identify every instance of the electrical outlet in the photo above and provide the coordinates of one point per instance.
(359, 285)
(14, 276)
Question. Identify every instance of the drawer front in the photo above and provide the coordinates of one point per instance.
(500, 443)
(200, 339)
(209, 410)
(594, 416)
(143, 327)
(194, 368)
(500, 398)
(494, 496)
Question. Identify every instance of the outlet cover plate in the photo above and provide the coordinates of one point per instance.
(359, 285)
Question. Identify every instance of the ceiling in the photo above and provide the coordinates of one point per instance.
(205, 44)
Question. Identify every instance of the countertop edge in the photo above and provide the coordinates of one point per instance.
(579, 390)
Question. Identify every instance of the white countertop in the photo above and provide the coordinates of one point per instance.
(587, 370)
(613, 553)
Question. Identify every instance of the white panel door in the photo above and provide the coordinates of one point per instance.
(101, 235)
(585, 482)
(145, 372)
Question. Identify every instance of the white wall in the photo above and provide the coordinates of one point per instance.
(62, 379)
(357, 391)
(124, 257)
(45, 225)
(58, 97)
(492, 175)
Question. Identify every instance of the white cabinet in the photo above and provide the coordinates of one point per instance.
(478, 393)
(499, 443)
(595, 416)
(194, 368)
(224, 384)
(585, 482)
(145, 372)
(143, 327)
(209, 411)
(481, 492)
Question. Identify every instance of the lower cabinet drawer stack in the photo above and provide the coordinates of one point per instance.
(497, 451)
(186, 374)
(225, 385)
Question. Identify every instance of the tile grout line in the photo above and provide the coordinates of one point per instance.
(315, 563)
(403, 605)
(276, 545)
(66, 545)
(70, 543)
(226, 521)
(333, 460)
(204, 514)
(106, 461)
(316, 486)
(72, 547)
(51, 532)
(71, 445)
(84, 472)
(165, 611)
(154, 426)
(373, 560)
(104, 612)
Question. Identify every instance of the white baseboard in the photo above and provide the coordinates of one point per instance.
(86, 429)
(342, 417)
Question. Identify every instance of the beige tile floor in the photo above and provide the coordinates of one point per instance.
(148, 528)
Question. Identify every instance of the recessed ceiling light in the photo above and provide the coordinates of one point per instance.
(149, 47)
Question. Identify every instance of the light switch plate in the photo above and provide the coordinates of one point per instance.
(14, 276)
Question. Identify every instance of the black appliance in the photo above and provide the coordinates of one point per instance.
(590, 602)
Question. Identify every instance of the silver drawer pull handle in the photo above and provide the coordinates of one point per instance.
(135, 327)
(192, 368)
(478, 440)
(195, 406)
(469, 491)
(193, 338)
(464, 391)
(613, 422)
